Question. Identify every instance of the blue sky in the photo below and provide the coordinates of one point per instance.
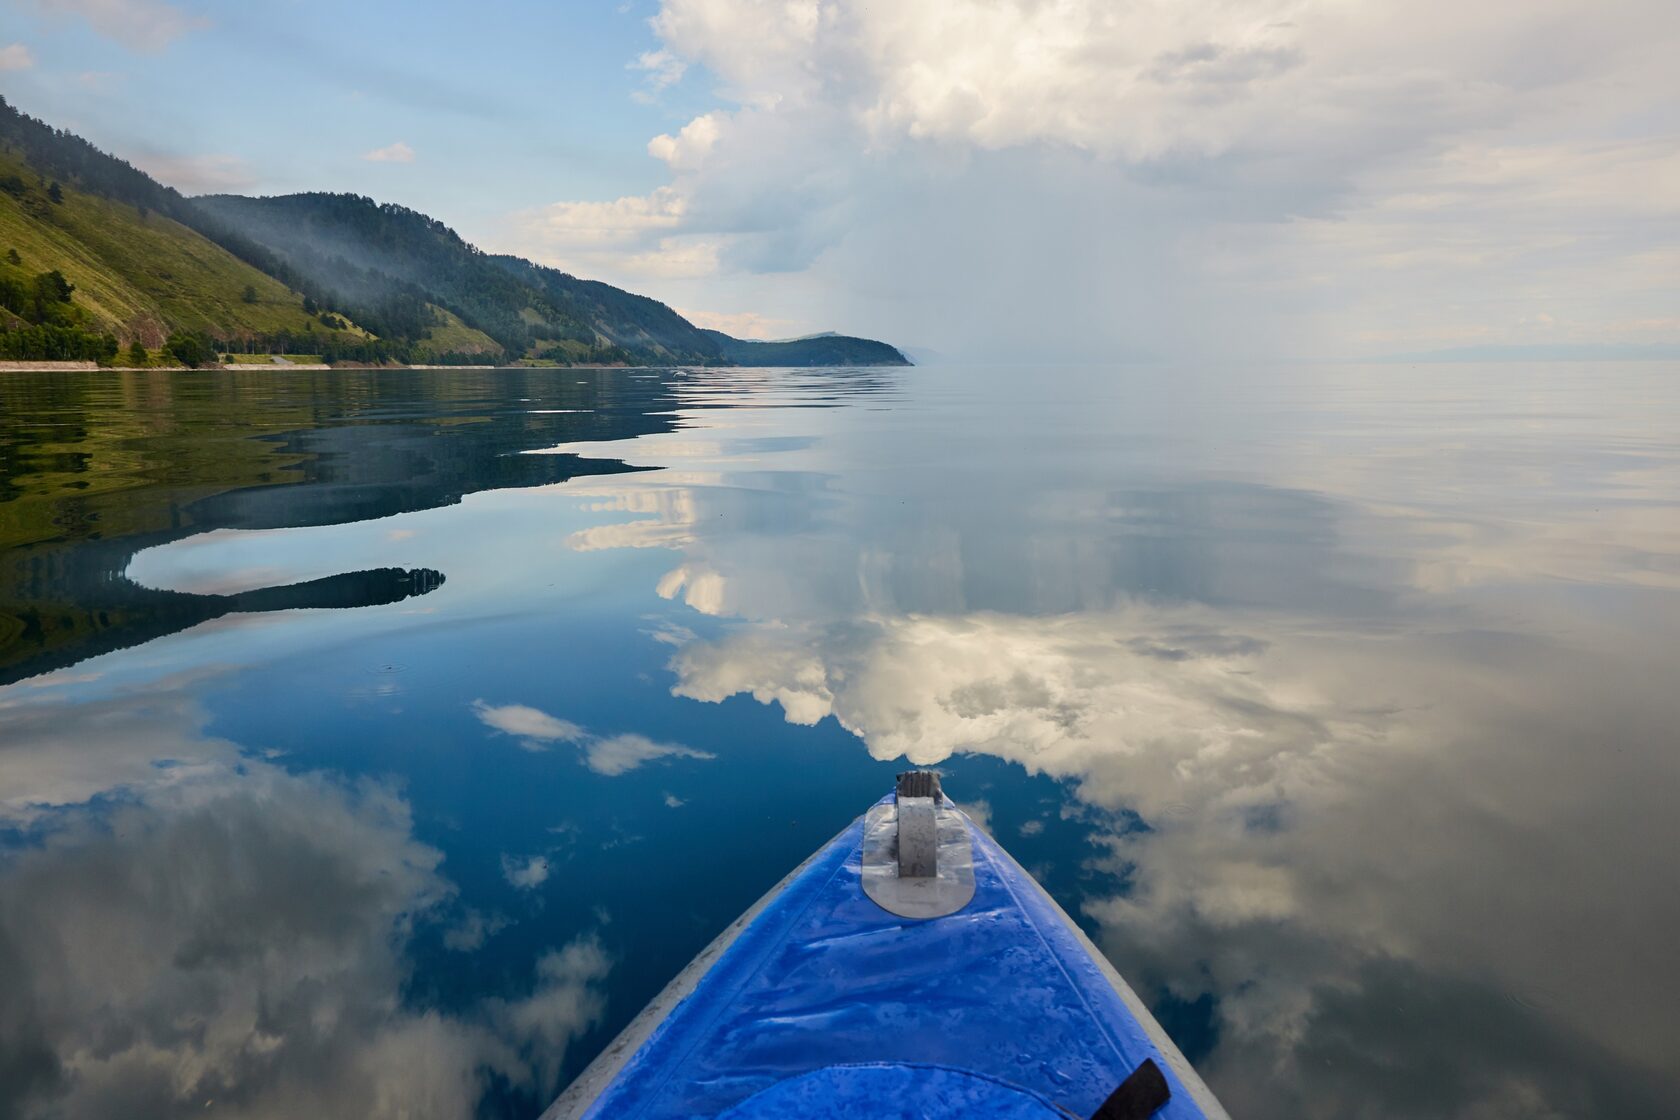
(515, 106)
(1201, 179)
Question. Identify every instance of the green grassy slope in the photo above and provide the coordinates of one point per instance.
(451, 336)
(385, 283)
(139, 277)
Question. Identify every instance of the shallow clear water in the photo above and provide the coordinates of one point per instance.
(378, 744)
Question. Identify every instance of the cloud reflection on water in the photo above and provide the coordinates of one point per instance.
(607, 755)
(185, 927)
(1367, 758)
(1360, 717)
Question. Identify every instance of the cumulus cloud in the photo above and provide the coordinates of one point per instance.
(636, 235)
(742, 324)
(703, 590)
(620, 222)
(1070, 696)
(1275, 176)
(199, 174)
(142, 25)
(1138, 81)
(534, 728)
(53, 756)
(391, 153)
(1421, 872)
(1313, 797)
(609, 756)
(228, 932)
(687, 150)
(16, 56)
(1369, 753)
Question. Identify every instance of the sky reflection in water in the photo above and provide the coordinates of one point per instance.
(382, 742)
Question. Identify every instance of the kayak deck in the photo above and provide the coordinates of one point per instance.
(819, 994)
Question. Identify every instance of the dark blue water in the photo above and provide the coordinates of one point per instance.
(376, 744)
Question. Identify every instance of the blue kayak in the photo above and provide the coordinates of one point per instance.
(910, 968)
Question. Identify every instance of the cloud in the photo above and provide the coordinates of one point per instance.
(391, 153)
(230, 932)
(1134, 81)
(663, 70)
(742, 324)
(187, 923)
(16, 56)
(687, 150)
(620, 754)
(669, 257)
(1333, 742)
(526, 874)
(141, 25)
(1304, 917)
(1293, 869)
(1057, 696)
(566, 1002)
(533, 727)
(618, 222)
(473, 930)
(627, 234)
(208, 173)
(609, 756)
(1270, 177)
(54, 755)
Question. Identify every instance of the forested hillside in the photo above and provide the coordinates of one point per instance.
(385, 261)
(147, 269)
(120, 272)
(816, 350)
(100, 261)
(527, 308)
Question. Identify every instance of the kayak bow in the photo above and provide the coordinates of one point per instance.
(909, 968)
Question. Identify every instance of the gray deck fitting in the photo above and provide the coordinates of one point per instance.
(918, 839)
(946, 891)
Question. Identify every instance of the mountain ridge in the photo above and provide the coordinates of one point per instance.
(341, 277)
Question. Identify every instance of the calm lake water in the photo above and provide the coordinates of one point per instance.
(376, 744)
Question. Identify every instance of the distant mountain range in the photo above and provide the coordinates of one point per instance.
(99, 260)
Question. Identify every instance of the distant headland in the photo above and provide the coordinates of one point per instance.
(102, 264)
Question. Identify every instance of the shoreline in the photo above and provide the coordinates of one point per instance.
(92, 367)
(237, 367)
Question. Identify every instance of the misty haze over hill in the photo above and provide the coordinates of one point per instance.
(357, 280)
